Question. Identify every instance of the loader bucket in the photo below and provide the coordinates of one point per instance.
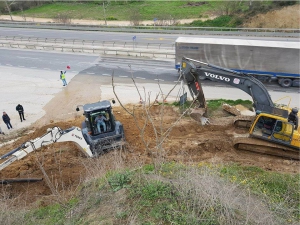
(199, 114)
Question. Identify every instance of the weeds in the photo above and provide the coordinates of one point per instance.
(119, 180)
(221, 21)
(280, 189)
(177, 194)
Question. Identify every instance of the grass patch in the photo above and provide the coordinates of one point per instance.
(216, 104)
(221, 21)
(280, 189)
(121, 10)
(52, 214)
(179, 194)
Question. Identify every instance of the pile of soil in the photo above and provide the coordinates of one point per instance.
(63, 166)
(286, 17)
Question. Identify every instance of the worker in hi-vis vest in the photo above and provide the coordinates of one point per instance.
(63, 77)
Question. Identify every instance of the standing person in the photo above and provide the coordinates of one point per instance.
(63, 77)
(20, 109)
(6, 120)
(293, 118)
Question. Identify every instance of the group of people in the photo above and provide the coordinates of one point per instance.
(20, 109)
(6, 118)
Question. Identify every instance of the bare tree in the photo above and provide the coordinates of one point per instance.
(8, 5)
(228, 7)
(21, 9)
(105, 5)
(154, 150)
(62, 18)
(135, 17)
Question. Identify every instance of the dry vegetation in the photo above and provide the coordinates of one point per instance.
(287, 17)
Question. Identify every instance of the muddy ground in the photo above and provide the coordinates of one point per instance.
(63, 166)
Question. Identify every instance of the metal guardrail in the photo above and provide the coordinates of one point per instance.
(90, 49)
(273, 32)
(90, 42)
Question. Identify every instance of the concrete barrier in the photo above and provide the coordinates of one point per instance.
(123, 44)
(136, 52)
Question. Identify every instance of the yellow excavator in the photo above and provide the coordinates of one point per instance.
(271, 131)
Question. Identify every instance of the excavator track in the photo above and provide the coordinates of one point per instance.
(264, 147)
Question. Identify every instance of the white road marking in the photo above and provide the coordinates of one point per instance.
(21, 66)
(8, 64)
(159, 79)
(90, 73)
(105, 74)
(21, 57)
(140, 78)
(123, 76)
(46, 69)
(33, 67)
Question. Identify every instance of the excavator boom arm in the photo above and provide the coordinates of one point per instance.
(53, 135)
(245, 82)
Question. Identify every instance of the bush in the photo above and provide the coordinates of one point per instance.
(111, 18)
(221, 21)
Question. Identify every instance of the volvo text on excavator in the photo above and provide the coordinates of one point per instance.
(273, 132)
(90, 140)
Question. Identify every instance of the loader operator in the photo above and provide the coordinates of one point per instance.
(293, 118)
(100, 121)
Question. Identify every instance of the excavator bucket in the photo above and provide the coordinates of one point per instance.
(198, 115)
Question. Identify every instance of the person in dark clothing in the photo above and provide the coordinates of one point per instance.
(6, 120)
(293, 118)
(20, 109)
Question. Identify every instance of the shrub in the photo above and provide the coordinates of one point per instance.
(221, 21)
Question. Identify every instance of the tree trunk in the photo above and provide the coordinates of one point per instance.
(8, 9)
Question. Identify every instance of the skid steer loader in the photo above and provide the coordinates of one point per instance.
(91, 141)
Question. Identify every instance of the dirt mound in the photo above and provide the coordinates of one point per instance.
(63, 166)
(287, 17)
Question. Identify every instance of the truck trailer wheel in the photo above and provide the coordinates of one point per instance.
(286, 82)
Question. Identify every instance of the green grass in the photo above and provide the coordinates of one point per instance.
(52, 214)
(122, 10)
(280, 189)
(175, 194)
(216, 104)
(221, 21)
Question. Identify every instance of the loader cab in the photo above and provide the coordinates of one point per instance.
(92, 111)
(273, 128)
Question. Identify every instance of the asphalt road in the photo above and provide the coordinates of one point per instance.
(45, 60)
(113, 36)
(143, 70)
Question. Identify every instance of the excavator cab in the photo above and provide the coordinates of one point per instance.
(275, 129)
(104, 136)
